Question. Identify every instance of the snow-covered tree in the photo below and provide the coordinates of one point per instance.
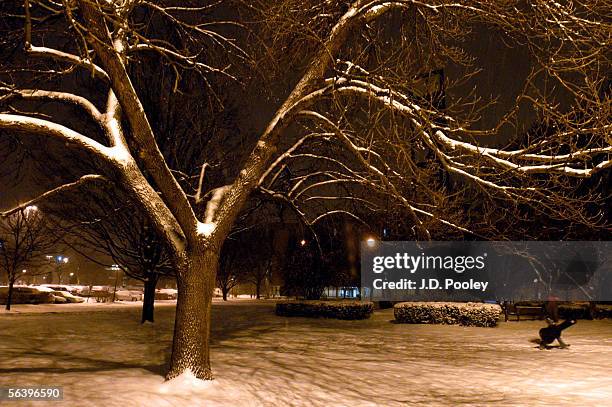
(356, 122)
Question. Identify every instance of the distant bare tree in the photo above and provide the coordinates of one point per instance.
(246, 258)
(354, 126)
(102, 226)
(24, 240)
(231, 267)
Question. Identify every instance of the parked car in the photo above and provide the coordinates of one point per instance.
(71, 298)
(58, 298)
(93, 290)
(62, 287)
(77, 289)
(166, 294)
(127, 295)
(26, 295)
(100, 293)
(136, 290)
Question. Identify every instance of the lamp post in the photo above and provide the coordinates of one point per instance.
(116, 269)
(59, 262)
(371, 241)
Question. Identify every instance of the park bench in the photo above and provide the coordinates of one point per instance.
(536, 311)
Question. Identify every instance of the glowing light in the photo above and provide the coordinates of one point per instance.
(370, 241)
(303, 242)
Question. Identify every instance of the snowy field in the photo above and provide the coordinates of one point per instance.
(102, 356)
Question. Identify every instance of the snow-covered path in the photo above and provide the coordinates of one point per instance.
(104, 357)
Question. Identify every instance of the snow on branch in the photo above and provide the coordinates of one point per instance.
(54, 192)
(185, 61)
(62, 133)
(560, 164)
(375, 9)
(47, 52)
(358, 153)
(37, 94)
(113, 59)
(198, 195)
(287, 154)
(109, 50)
(212, 205)
(207, 227)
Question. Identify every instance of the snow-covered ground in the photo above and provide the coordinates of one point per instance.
(103, 356)
(90, 306)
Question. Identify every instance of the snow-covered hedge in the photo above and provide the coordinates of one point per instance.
(449, 313)
(603, 311)
(326, 309)
(583, 310)
(574, 311)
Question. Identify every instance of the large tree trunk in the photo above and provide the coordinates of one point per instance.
(224, 290)
(9, 297)
(196, 282)
(148, 301)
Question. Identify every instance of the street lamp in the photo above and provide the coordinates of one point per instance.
(116, 269)
(303, 242)
(59, 261)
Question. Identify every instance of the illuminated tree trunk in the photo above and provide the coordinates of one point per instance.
(196, 282)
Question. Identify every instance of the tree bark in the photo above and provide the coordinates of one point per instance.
(196, 282)
(9, 297)
(148, 301)
(224, 290)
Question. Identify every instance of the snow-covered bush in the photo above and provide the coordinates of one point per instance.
(584, 310)
(575, 311)
(603, 311)
(326, 309)
(449, 313)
